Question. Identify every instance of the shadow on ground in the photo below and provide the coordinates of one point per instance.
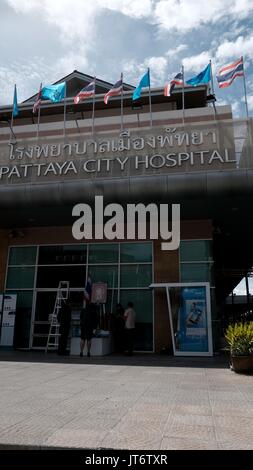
(139, 359)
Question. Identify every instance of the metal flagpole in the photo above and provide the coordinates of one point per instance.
(38, 124)
(245, 91)
(93, 106)
(65, 106)
(183, 95)
(12, 117)
(150, 108)
(212, 87)
(121, 103)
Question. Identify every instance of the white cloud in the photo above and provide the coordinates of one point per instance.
(236, 108)
(158, 70)
(235, 49)
(197, 62)
(176, 51)
(250, 102)
(189, 14)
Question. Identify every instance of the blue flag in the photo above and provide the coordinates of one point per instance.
(202, 77)
(55, 93)
(15, 109)
(145, 82)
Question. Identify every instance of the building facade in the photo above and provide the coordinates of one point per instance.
(199, 158)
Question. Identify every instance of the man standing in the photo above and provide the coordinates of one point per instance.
(88, 322)
(129, 316)
(64, 318)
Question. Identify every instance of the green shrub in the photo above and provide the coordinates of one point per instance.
(240, 339)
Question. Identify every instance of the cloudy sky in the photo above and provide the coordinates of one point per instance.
(43, 40)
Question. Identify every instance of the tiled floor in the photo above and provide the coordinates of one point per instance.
(142, 402)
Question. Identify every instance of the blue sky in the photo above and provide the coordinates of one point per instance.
(43, 40)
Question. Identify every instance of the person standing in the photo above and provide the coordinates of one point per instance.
(129, 316)
(64, 318)
(88, 322)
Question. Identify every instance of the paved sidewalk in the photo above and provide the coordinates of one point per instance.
(141, 402)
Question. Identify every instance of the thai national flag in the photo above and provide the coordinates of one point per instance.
(37, 102)
(228, 73)
(115, 90)
(86, 92)
(176, 81)
(88, 290)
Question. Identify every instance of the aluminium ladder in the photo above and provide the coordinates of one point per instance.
(54, 329)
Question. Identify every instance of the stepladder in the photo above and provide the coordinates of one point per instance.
(54, 328)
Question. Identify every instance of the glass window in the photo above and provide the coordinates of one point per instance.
(138, 275)
(23, 319)
(194, 272)
(50, 276)
(196, 250)
(143, 304)
(135, 252)
(22, 255)
(103, 253)
(20, 278)
(62, 254)
(108, 274)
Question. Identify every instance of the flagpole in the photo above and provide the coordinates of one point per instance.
(121, 103)
(65, 106)
(245, 91)
(38, 123)
(12, 117)
(212, 87)
(93, 106)
(150, 108)
(183, 104)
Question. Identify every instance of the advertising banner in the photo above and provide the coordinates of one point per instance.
(192, 331)
(99, 293)
(8, 320)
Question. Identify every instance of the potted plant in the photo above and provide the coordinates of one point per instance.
(240, 341)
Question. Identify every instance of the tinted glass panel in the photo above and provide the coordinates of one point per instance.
(23, 319)
(23, 255)
(103, 253)
(139, 275)
(65, 254)
(135, 252)
(108, 274)
(50, 276)
(199, 250)
(196, 272)
(20, 278)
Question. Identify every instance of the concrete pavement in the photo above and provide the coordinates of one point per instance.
(141, 402)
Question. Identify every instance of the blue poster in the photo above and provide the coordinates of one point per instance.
(192, 332)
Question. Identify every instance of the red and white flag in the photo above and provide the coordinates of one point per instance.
(86, 92)
(115, 90)
(37, 102)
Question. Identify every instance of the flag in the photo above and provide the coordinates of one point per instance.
(144, 82)
(86, 92)
(202, 77)
(55, 93)
(228, 73)
(37, 102)
(114, 91)
(176, 81)
(88, 290)
(15, 109)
